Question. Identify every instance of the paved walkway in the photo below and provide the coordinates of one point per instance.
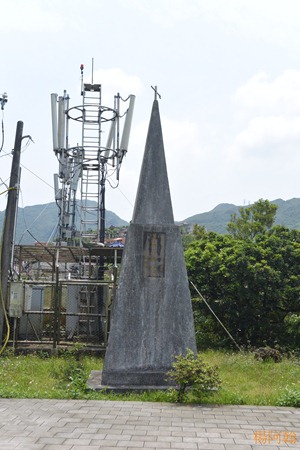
(92, 425)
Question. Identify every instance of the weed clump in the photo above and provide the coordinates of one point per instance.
(72, 375)
(290, 397)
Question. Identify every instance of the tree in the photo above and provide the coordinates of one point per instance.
(252, 220)
(252, 285)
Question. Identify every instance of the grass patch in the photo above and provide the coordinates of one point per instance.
(33, 376)
(245, 381)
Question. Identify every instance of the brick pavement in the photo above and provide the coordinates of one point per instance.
(30, 424)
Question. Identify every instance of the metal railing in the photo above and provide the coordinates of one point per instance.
(59, 313)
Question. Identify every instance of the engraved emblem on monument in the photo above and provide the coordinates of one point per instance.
(154, 254)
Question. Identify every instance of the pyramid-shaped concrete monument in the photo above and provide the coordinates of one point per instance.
(151, 317)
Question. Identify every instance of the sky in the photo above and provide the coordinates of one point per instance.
(228, 72)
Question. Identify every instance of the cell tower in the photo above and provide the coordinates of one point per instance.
(89, 163)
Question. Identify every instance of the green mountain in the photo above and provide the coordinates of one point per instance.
(39, 223)
(288, 215)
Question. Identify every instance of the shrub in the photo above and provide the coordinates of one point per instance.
(267, 353)
(190, 371)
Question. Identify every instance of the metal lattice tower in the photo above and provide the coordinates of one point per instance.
(91, 201)
(91, 163)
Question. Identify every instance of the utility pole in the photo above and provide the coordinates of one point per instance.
(9, 224)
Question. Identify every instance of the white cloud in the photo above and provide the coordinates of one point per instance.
(181, 138)
(197, 51)
(267, 20)
(269, 117)
(115, 80)
(167, 13)
(30, 16)
(263, 132)
(265, 96)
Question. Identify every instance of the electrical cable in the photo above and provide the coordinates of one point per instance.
(6, 190)
(4, 182)
(25, 146)
(111, 185)
(215, 315)
(2, 144)
(5, 154)
(117, 187)
(2, 298)
(53, 233)
(1, 291)
(41, 179)
(25, 222)
(26, 168)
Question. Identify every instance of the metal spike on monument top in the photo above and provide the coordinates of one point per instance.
(156, 94)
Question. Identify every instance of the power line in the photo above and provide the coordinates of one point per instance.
(22, 165)
(215, 315)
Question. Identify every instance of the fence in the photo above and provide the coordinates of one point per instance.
(60, 312)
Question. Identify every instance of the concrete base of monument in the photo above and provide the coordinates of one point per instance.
(132, 382)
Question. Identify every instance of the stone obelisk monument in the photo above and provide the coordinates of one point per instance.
(151, 318)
